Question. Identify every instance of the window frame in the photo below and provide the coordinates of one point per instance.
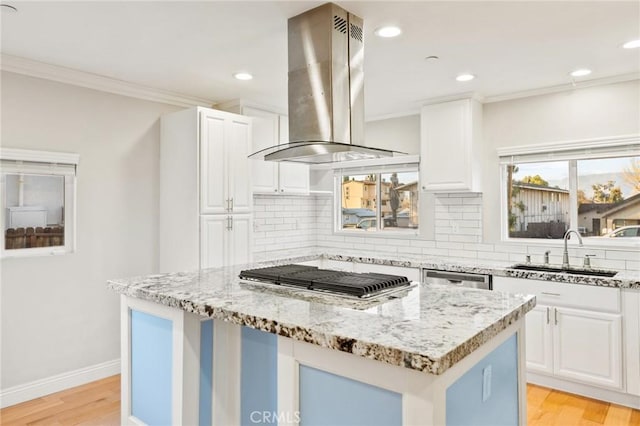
(46, 163)
(572, 152)
(409, 163)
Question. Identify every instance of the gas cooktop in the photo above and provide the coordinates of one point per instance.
(350, 284)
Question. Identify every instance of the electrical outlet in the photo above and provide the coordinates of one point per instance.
(486, 383)
(455, 228)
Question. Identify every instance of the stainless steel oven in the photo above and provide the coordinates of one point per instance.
(459, 279)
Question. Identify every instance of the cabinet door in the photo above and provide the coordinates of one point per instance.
(446, 133)
(213, 167)
(237, 145)
(587, 346)
(293, 177)
(213, 240)
(539, 340)
(240, 249)
(264, 135)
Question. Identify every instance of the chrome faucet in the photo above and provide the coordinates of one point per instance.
(565, 254)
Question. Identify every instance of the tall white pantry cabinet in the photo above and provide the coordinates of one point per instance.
(205, 190)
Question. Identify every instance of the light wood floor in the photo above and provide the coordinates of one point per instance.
(98, 403)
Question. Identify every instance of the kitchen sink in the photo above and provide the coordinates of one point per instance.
(561, 270)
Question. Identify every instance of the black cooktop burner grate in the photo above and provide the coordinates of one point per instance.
(313, 278)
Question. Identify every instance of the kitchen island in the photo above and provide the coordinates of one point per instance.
(203, 347)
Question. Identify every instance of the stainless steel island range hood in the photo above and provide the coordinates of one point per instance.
(326, 90)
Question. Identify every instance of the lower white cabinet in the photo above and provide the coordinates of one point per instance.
(581, 345)
(225, 240)
(539, 340)
(587, 346)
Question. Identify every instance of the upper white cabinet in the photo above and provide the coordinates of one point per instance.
(451, 135)
(224, 146)
(269, 129)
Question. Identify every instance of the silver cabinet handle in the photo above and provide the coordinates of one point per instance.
(555, 314)
(550, 294)
(231, 201)
(230, 223)
(227, 204)
(548, 314)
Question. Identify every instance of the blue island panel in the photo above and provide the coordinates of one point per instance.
(464, 397)
(328, 399)
(259, 378)
(206, 373)
(151, 368)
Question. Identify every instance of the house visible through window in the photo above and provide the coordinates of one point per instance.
(595, 196)
(379, 201)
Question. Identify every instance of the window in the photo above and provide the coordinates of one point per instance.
(379, 200)
(594, 190)
(38, 203)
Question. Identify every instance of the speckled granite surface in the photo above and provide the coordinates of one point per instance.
(623, 279)
(429, 330)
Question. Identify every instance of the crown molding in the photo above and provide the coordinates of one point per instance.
(632, 140)
(564, 87)
(17, 154)
(74, 77)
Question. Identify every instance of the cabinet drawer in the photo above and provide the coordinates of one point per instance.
(571, 295)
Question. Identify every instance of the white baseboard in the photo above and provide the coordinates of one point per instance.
(594, 392)
(46, 386)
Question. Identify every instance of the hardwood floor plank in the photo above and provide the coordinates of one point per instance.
(618, 415)
(596, 411)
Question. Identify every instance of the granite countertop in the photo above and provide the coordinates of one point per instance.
(430, 329)
(623, 279)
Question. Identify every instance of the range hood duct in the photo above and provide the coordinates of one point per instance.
(326, 90)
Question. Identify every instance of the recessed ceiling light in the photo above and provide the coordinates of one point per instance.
(465, 77)
(243, 76)
(388, 32)
(580, 73)
(631, 44)
(432, 58)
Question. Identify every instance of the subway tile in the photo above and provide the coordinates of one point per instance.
(493, 255)
(423, 243)
(479, 247)
(449, 245)
(463, 254)
(632, 255)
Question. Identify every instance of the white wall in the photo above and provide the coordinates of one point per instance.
(587, 113)
(57, 315)
(397, 134)
(455, 233)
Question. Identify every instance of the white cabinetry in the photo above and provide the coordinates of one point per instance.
(225, 185)
(539, 340)
(205, 189)
(225, 240)
(269, 129)
(451, 135)
(575, 331)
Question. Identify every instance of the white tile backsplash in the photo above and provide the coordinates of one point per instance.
(294, 225)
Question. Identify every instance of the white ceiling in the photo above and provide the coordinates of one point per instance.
(193, 48)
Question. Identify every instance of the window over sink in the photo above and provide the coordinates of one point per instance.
(591, 187)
